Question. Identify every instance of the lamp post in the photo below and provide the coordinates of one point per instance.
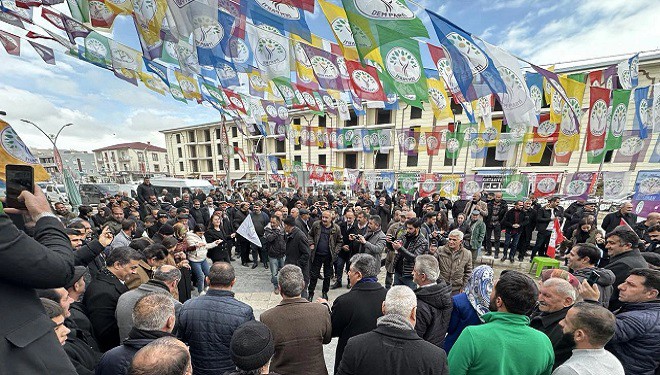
(53, 141)
(146, 159)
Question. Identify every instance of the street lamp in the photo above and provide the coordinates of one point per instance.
(53, 140)
(146, 159)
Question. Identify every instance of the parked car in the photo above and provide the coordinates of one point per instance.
(54, 193)
(91, 194)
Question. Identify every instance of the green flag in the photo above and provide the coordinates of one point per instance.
(515, 187)
(407, 183)
(214, 92)
(176, 92)
(285, 88)
(79, 10)
(620, 99)
(374, 138)
(382, 22)
(97, 49)
(403, 65)
(596, 156)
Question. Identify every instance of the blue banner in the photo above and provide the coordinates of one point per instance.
(474, 70)
(643, 107)
(280, 15)
(535, 85)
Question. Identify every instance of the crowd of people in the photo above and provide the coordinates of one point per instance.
(144, 286)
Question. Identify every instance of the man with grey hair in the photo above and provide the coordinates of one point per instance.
(215, 315)
(394, 347)
(455, 262)
(434, 303)
(396, 230)
(373, 242)
(164, 356)
(356, 312)
(153, 317)
(165, 280)
(300, 327)
(556, 297)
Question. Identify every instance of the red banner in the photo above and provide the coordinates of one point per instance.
(442, 62)
(235, 101)
(308, 99)
(546, 131)
(364, 81)
(546, 184)
(429, 183)
(433, 142)
(598, 114)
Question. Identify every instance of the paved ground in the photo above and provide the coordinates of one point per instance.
(254, 288)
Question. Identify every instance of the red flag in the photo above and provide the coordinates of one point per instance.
(556, 238)
(442, 61)
(364, 82)
(235, 101)
(308, 98)
(53, 17)
(598, 114)
(26, 4)
(433, 141)
(240, 153)
(625, 223)
(11, 42)
(546, 131)
(546, 184)
(429, 183)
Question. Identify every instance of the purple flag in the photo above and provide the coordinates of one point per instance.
(647, 193)
(633, 147)
(472, 184)
(579, 184)
(553, 80)
(46, 53)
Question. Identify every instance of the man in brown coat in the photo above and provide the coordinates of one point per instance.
(300, 328)
(455, 262)
(325, 242)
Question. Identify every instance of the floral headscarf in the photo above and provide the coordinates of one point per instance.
(478, 289)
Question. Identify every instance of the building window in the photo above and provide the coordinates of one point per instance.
(490, 158)
(411, 160)
(209, 165)
(154, 156)
(383, 116)
(234, 131)
(191, 136)
(498, 106)
(178, 138)
(350, 161)
(221, 165)
(260, 147)
(156, 168)
(297, 158)
(608, 156)
(207, 135)
(382, 161)
(209, 151)
(140, 157)
(296, 121)
(280, 146)
(297, 147)
(235, 144)
(195, 166)
(237, 165)
(181, 166)
(322, 121)
(415, 113)
(219, 149)
(546, 158)
(353, 121)
(179, 152)
(193, 151)
(322, 160)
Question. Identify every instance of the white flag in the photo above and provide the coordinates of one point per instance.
(248, 232)
(655, 112)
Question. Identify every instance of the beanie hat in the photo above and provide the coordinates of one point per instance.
(252, 345)
(166, 230)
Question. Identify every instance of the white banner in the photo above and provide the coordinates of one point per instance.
(615, 185)
(248, 232)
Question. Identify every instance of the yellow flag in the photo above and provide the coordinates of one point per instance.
(338, 175)
(567, 129)
(491, 134)
(304, 67)
(189, 86)
(449, 185)
(120, 6)
(14, 151)
(346, 38)
(440, 101)
(297, 129)
(149, 15)
(532, 149)
(258, 86)
(286, 166)
(547, 88)
(153, 83)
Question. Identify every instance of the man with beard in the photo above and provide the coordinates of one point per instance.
(347, 227)
(476, 204)
(145, 190)
(407, 248)
(496, 210)
(582, 259)
(653, 245)
(588, 327)
(125, 236)
(514, 223)
(479, 349)
(63, 213)
(325, 243)
(555, 298)
(395, 231)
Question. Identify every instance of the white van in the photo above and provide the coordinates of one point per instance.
(54, 193)
(177, 186)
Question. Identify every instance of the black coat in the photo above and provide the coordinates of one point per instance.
(117, 360)
(355, 313)
(201, 215)
(87, 253)
(100, 301)
(621, 265)
(613, 219)
(218, 253)
(144, 191)
(346, 230)
(81, 355)
(29, 344)
(391, 351)
(433, 312)
(297, 250)
(548, 323)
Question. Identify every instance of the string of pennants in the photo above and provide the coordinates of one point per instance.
(254, 60)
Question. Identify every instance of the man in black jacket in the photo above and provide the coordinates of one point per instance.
(144, 190)
(297, 249)
(103, 293)
(556, 297)
(242, 245)
(624, 256)
(154, 317)
(394, 347)
(613, 219)
(514, 223)
(29, 344)
(356, 312)
(496, 210)
(348, 227)
(545, 218)
(434, 303)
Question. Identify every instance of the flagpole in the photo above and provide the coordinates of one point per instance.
(309, 148)
(584, 146)
(431, 156)
(403, 111)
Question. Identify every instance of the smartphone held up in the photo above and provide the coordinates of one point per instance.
(19, 179)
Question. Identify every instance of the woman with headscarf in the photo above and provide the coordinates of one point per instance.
(470, 305)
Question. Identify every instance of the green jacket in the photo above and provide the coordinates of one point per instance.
(478, 233)
(505, 345)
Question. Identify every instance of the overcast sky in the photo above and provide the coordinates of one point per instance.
(106, 110)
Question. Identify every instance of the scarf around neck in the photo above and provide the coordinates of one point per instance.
(394, 321)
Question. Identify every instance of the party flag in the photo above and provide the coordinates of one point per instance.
(579, 185)
(403, 65)
(11, 42)
(620, 100)
(546, 184)
(643, 108)
(440, 101)
(532, 149)
(633, 147)
(15, 151)
(515, 187)
(364, 81)
(599, 100)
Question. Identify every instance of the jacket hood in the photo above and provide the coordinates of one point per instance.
(438, 296)
(606, 276)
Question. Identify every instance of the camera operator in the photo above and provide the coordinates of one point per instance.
(45, 261)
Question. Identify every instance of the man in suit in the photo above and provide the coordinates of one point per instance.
(303, 222)
(29, 344)
(297, 249)
(347, 227)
